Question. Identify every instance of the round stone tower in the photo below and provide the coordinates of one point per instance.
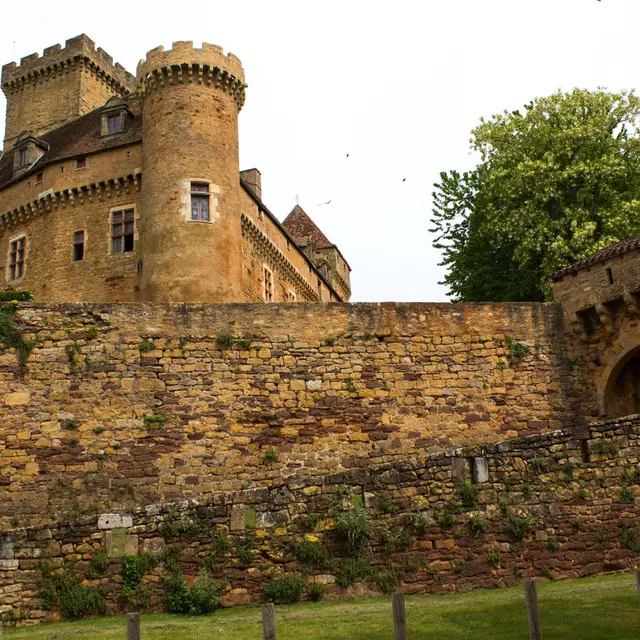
(190, 232)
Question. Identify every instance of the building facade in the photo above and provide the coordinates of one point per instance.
(117, 188)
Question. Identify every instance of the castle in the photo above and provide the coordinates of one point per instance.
(465, 432)
(123, 188)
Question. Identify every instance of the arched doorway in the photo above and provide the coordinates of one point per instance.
(622, 395)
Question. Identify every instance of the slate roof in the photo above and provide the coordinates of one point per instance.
(630, 244)
(77, 138)
(302, 227)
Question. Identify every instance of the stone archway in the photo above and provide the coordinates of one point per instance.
(620, 395)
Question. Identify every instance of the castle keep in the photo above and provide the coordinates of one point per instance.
(484, 442)
(123, 188)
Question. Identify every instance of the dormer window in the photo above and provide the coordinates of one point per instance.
(114, 124)
(27, 151)
(115, 117)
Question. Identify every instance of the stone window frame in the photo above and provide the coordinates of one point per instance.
(39, 177)
(136, 238)
(75, 243)
(82, 160)
(185, 199)
(268, 284)
(12, 241)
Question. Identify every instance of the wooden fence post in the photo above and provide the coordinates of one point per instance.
(399, 616)
(133, 626)
(533, 612)
(637, 585)
(269, 621)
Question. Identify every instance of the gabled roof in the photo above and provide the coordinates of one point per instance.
(251, 193)
(76, 138)
(303, 228)
(630, 244)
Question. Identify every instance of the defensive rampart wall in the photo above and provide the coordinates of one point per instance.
(125, 404)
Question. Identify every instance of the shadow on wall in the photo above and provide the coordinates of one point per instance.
(622, 392)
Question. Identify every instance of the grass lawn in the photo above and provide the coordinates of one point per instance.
(603, 607)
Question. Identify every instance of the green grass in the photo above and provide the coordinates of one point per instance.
(590, 608)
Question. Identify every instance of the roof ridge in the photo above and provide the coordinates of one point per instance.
(611, 251)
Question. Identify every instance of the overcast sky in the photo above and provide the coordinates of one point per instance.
(397, 85)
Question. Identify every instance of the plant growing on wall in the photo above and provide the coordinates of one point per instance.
(477, 524)
(468, 493)
(419, 521)
(312, 554)
(75, 599)
(224, 340)
(354, 529)
(517, 526)
(11, 337)
(203, 597)
(354, 570)
(287, 589)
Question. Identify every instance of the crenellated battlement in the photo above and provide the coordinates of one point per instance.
(78, 53)
(184, 63)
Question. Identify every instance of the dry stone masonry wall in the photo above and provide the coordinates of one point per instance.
(135, 404)
(484, 516)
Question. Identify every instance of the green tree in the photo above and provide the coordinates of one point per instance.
(555, 183)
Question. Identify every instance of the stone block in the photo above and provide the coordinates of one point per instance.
(265, 520)
(7, 546)
(480, 470)
(460, 469)
(153, 546)
(119, 544)
(114, 521)
(17, 398)
(237, 518)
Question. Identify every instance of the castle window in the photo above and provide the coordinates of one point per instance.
(200, 201)
(39, 177)
(610, 276)
(27, 151)
(268, 285)
(16, 258)
(122, 231)
(114, 124)
(81, 163)
(78, 246)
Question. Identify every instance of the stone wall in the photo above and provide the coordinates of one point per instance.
(539, 506)
(128, 404)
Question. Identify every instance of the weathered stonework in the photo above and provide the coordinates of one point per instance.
(579, 522)
(175, 125)
(377, 382)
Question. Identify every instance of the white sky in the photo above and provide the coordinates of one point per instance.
(397, 85)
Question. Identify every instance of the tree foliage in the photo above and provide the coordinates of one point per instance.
(556, 182)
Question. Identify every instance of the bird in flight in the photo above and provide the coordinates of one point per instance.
(322, 204)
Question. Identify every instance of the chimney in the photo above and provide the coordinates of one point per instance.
(253, 179)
